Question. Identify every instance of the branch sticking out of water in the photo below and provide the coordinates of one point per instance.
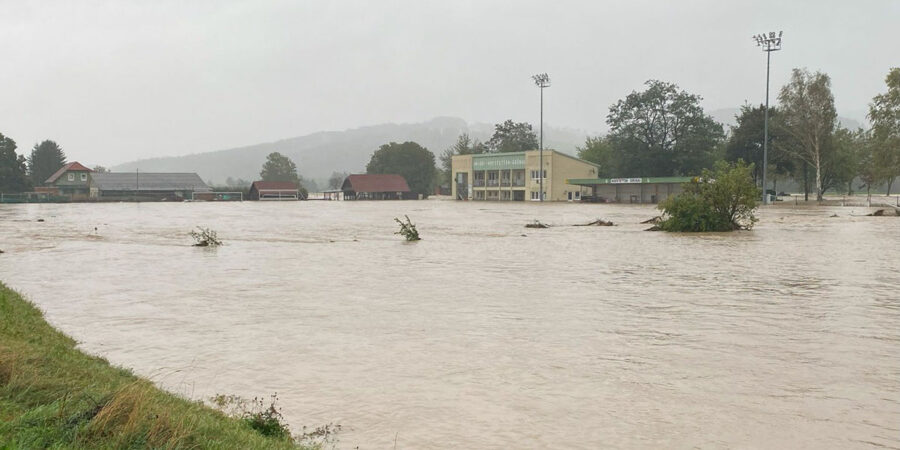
(408, 229)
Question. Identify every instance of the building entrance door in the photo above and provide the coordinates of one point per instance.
(462, 185)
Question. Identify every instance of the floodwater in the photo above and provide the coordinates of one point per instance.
(486, 334)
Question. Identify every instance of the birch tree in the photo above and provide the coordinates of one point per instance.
(809, 116)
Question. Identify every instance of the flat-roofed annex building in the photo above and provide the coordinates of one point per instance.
(516, 176)
(629, 190)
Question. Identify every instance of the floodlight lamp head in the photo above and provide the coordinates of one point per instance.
(541, 80)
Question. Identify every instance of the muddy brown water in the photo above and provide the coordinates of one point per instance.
(486, 334)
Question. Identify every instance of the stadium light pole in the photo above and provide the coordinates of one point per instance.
(542, 80)
(769, 42)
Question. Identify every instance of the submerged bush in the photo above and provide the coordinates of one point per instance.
(204, 237)
(408, 229)
(722, 199)
(268, 421)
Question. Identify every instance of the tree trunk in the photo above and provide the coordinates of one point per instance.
(818, 179)
(890, 183)
(805, 182)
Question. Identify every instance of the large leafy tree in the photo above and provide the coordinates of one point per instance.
(13, 168)
(866, 165)
(279, 168)
(884, 113)
(844, 159)
(662, 131)
(810, 118)
(599, 150)
(512, 136)
(46, 158)
(746, 141)
(409, 160)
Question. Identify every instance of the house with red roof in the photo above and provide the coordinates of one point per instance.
(72, 180)
(376, 187)
(275, 190)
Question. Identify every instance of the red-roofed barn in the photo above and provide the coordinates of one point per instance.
(376, 187)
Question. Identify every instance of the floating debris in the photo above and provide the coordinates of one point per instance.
(654, 220)
(40, 220)
(536, 224)
(885, 213)
(654, 228)
(596, 223)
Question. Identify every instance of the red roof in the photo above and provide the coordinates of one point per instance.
(375, 183)
(74, 166)
(274, 186)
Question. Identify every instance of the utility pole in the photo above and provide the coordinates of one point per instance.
(542, 80)
(770, 42)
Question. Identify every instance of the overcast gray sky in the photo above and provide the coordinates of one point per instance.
(117, 80)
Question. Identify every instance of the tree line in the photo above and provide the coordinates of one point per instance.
(663, 131)
(19, 173)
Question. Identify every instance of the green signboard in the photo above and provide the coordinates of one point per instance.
(498, 161)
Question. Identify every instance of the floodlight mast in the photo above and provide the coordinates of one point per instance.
(770, 42)
(542, 80)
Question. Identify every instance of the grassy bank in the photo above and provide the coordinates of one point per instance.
(54, 396)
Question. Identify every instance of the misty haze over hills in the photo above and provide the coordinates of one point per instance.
(319, 154)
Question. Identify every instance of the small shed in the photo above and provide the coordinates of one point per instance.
(274, 190)
(376, 187)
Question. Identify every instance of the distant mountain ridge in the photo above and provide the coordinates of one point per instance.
(319, 154)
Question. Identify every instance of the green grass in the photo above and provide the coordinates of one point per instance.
(54, 396)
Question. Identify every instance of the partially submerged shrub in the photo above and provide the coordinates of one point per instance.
(204, 237)
(720, 200)
(268, 421)
(408, 229)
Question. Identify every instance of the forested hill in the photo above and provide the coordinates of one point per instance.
(319, 154)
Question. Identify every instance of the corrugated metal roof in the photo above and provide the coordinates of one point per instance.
(375, 183)
(73, 166)
(148, 181)
(646, 180)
